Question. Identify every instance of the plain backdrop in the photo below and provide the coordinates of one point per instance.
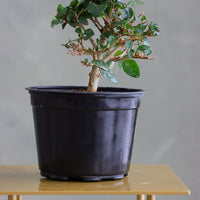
(169, 117)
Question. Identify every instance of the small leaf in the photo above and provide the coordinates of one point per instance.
(131, 68)
(153, 27)
(59, 8)
(88, 34)
(119, 52)
(109, 64)
(73, 24)
(107, 11)
(107, 34)
(129, 45)
(96, 9)
(69, 16)
(128, 26)
(83, 18)
(135, 3)
(54, 22)
(78, 30)
(143, 18)
(100, 63)
(63, 25)
(111, 40)
(109, 74)
(118, 23)
(127, 13)
(85, 60)
(119, 65)
(145, 49)
(139, 29)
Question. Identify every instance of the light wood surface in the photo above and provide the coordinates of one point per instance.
(141, 197)
(142, 180)
(151, 197)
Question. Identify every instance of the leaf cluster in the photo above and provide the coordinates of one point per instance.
(123, 36)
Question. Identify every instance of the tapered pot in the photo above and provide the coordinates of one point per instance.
(82, 135)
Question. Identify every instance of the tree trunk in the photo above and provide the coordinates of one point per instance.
(94, 79)
(95, 73)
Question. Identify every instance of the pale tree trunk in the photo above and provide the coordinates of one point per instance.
(94, 77)
(95, 73)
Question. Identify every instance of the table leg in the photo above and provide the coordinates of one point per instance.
(19, 197)
(141, 197)
(151, 197)
(11, 197)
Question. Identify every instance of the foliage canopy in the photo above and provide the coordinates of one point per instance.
(120, 36)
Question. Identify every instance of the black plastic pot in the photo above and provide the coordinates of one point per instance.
(83, 135)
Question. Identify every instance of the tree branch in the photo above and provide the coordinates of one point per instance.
(111, 54)
(96, 24)
(91, 39)
(116, 59)
(108, 48)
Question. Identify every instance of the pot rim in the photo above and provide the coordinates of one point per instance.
(101, 90)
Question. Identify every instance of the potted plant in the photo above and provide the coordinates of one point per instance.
(83, 132)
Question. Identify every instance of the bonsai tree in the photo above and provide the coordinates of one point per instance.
(109, 32)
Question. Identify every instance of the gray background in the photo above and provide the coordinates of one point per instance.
(168, 122)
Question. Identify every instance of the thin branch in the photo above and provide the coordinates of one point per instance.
(110, 47)
(133, 57)
(83, 47)
(96, 24)
(111, 54)
(106, 20)
(91, 39)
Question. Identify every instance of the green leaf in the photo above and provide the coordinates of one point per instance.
(59, 8)
(63, 25)
(119, 65)
(127, 13)
(88, 34)
(145, 49)
(100, 63)
(78, 30)
(73, 24)
(119, 52)
(107, 11)
(120, 4)
(129, 45)
(111, 40)
(143, 18)
(131, 68)
(154, 28)
(107, 34)
(146, 41)
(109, 64)
(135, 3)
(74, 3)
(83, 18)
(69, 16)
(96, 9)
(128, 26)
(85, 60)
(109, 74)
(55, 22)
(118, 23)
(139, 29)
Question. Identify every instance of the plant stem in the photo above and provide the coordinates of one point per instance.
(94, 79)
(95, 73)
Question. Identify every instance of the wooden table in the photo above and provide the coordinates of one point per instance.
(150, 180)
